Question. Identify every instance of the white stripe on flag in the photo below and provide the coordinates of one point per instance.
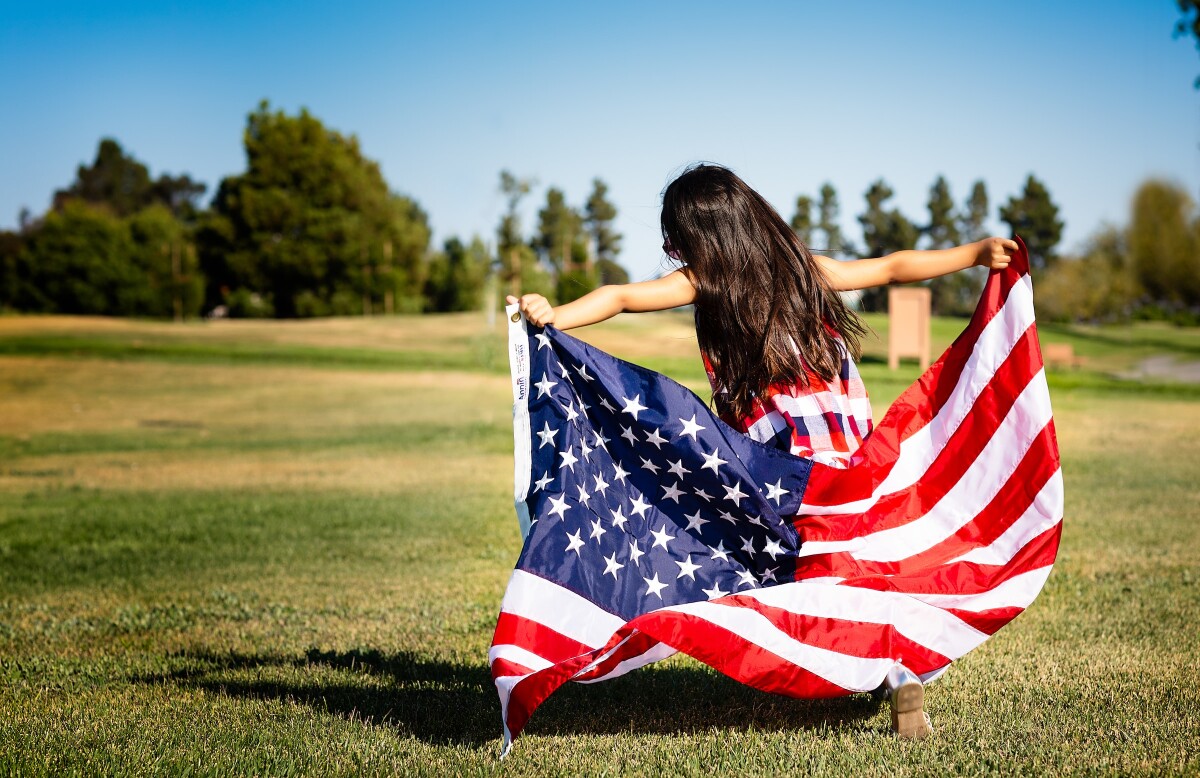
(986, 475)
(657, 653)
(562, 610)
(919, 451)
(849, 672)
(518, 363)
(1044, 512)
(920, 622)
(1016, 592)
(517, 655)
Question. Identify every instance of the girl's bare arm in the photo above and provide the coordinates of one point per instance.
(670, 291)
(907, 266)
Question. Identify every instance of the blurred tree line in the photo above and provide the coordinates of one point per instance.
(885, 229)
(1148, 269)
(310, 228)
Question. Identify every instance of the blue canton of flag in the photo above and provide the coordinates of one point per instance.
(653, 502)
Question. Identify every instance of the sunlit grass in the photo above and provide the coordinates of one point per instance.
(291, 565)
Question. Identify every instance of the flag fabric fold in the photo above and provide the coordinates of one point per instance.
(651, 527)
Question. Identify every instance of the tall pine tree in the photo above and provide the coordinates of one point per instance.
(802, 221)
(973, 217)
(1034, 216)
(885, 231)
(828, 211)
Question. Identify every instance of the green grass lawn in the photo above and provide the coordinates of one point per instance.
(276, 548)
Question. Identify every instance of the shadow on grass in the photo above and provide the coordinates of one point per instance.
(456, 704)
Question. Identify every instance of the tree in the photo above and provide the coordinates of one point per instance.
(827, 220)
(1164, 244)
(1189, 24)
(560, 228)
(885, 231)
(1099, 285)
(180, 194)
(1034, 217)
(973, 216)
(118, 181)
(599, 214)
(609, 272)
(11, 245)
(79, 263)
(113, 179)
(165, 258)
(456, 276)
(802, 222)
(311, 226)
(954, 294)
(942, 230)
(513, 256)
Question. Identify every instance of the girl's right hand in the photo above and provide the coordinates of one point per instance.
(536, 308)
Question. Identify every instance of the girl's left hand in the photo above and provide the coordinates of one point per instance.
(995, 253)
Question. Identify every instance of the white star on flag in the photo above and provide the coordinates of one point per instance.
(634, 406)
(654, 586)
(687, 567)
(690, 427)
(712, 460)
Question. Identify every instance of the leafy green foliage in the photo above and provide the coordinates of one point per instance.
(456, 277)
(1164, 244)
(885, 231)
(559, 232)
(942, 230)
(512, 254)
(1098, 286)
(609, 272)
(311, 226)
(827, 221)
(954, 294)
(1150, 269)
(122, 184)
(1034, 216)
(84, 260)
(1189, 24)
(974, 214)
(599, 213)
(802, 221)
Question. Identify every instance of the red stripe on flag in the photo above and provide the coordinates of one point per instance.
(536, 637)
(920, 403)
(733, 655)
(635, 646)
(990, 620)
(952, 462)
(504, 667)
(863, 639)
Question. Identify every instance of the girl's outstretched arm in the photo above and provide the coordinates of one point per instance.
(906, 266)
(670, 291)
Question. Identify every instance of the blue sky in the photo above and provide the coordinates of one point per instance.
(1092, 97)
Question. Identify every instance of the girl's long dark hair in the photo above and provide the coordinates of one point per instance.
(764, 311)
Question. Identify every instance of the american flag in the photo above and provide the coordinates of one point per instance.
(651, 527)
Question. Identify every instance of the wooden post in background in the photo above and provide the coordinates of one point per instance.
(908, 324)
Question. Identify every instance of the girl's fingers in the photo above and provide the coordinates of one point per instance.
(511, 300)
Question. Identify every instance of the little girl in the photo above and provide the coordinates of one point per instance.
(776, 338)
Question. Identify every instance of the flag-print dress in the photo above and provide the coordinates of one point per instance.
(823, 420)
